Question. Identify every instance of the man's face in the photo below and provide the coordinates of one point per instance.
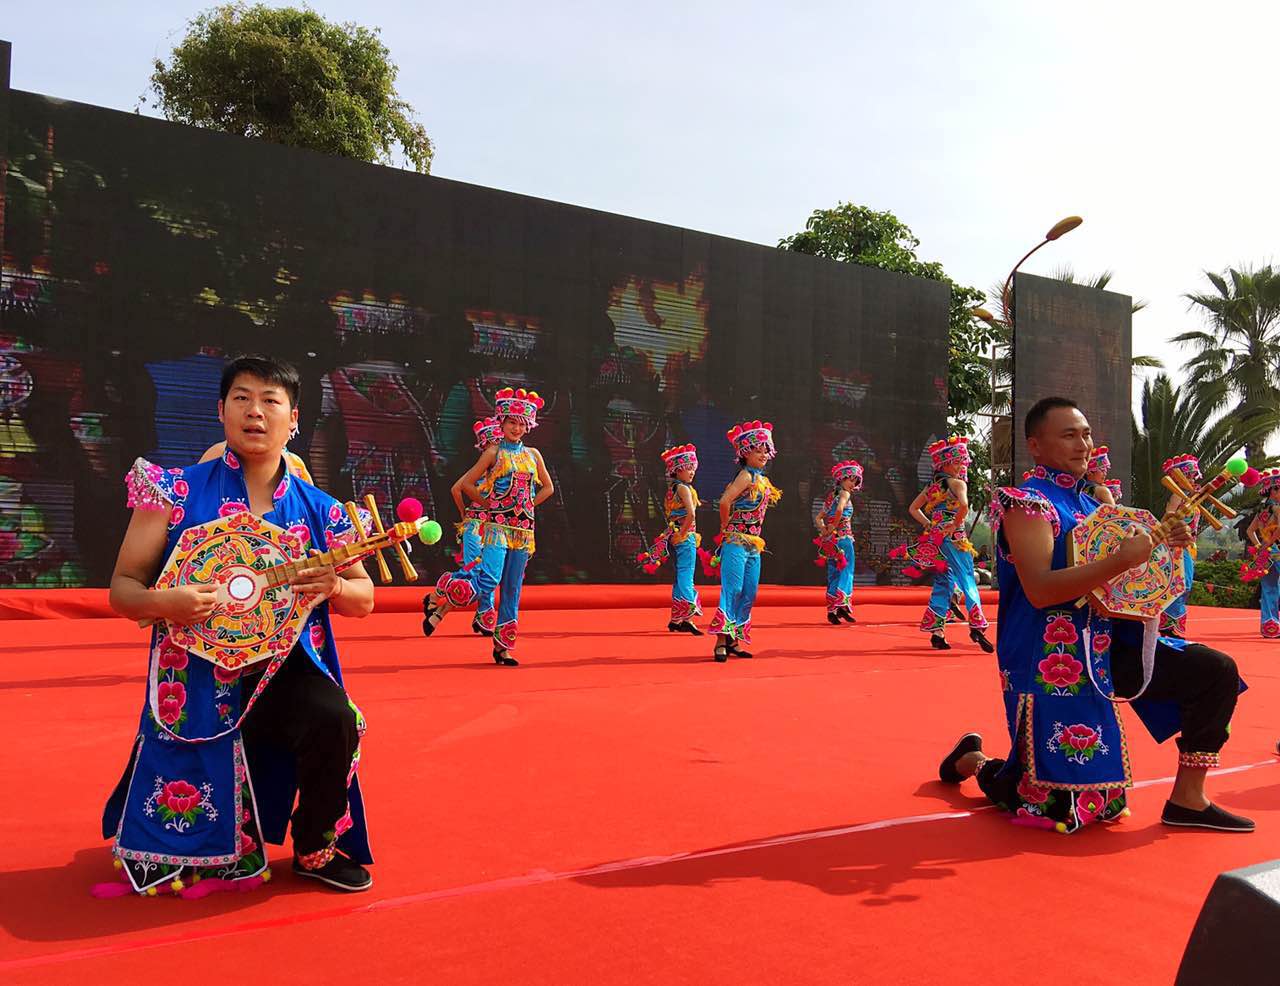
(1063, 441)
(257, 417)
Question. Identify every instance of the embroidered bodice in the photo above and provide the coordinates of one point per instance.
(843, 523)
(746, 516)
(512, 479)
(674, 508)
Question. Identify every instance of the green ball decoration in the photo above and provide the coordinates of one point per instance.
(430, 532)
(1237, 466)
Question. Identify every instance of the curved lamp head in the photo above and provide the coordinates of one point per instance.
(1063, 226)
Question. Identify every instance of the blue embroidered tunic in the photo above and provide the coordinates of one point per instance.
(1070, 759)
(189, 796)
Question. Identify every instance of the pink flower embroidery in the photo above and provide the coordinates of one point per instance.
(179, 797)
(232, 507)
(335, 513)
(247, 845)
(181, 487)
(231, 460)
(1060, 670)
(1061, 631)
(317, 636)
(1101, 643)
(171, 697)
(1079, 738)
(282, 489)
(172, 656)
(224, 675)
(1089, 805)
(176, 516)
(1032, 794)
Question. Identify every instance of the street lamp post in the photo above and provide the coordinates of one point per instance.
(1059, 229)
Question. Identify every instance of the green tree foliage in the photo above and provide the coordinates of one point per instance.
(1176, 421)
(289, 76)
(1238, 356)
(856, 234)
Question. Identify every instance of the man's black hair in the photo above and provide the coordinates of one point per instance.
(1040, 411)
(267, 368)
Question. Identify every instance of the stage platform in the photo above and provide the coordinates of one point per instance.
(620, 809)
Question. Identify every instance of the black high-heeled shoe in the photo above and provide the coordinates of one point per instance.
(479, 630)
(737, 651)
(938, 642)
(430, 616)
(833, 619)
(721, 653)
(980, 638)
(847, 616)
(503, 658)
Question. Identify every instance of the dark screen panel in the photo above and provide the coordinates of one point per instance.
(139, 254)
(1077, 342)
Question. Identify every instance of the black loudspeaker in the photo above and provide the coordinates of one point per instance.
(1236, 939)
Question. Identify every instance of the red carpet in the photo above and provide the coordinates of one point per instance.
(620, 809)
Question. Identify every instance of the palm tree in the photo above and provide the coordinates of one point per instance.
(1175, 421)
(1238, 356)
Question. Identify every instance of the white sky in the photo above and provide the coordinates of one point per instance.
(978, 124)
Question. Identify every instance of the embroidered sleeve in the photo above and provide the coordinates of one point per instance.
(1030, 502)
(338, 528)
(152, 488)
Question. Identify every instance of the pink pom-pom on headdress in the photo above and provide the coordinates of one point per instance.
(752, 436)
(680, 457)
(523, 405)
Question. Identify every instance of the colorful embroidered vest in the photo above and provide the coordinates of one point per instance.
(746, 517)
(512, 479)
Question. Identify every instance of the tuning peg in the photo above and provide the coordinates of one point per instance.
(406, 566)
(384, 573)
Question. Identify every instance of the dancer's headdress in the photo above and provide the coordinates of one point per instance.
(752, 436)
(849, 469)
(1268, 480)
(523, 405)
(488, 431)
(948, 451)
(1100, 461)
(680, 457)
(1188, 465)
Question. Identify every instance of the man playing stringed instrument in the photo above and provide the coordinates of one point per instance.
(219, 754)
(1063, 666)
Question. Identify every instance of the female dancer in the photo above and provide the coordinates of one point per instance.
(835, 540)
(1173, 621)
(488, 431)
(742, 509)
(680, 538)
(1100, 488)
(941, 508)
(1264, 554)
(516, 481)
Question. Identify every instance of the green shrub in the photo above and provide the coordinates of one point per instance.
(1218, 584)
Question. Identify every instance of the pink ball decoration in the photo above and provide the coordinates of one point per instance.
(409, 509)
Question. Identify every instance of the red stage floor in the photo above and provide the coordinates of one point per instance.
(622, 810)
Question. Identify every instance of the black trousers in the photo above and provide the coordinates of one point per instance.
(1204, 682)
(305, 715)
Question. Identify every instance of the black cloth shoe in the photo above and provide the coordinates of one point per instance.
(721, 653)
(833, 619)
(938, 642)
(476, 628)
(847, 616)
(737, 651)
(340, 873)
(673, 627)
(968, 743)
(504, 658)
(1212, 817)
(980, 638)
(689, 628)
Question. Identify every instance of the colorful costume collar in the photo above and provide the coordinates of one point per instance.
(1060, 479)
(1268, 480)
(752, 436)
(231, 462)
